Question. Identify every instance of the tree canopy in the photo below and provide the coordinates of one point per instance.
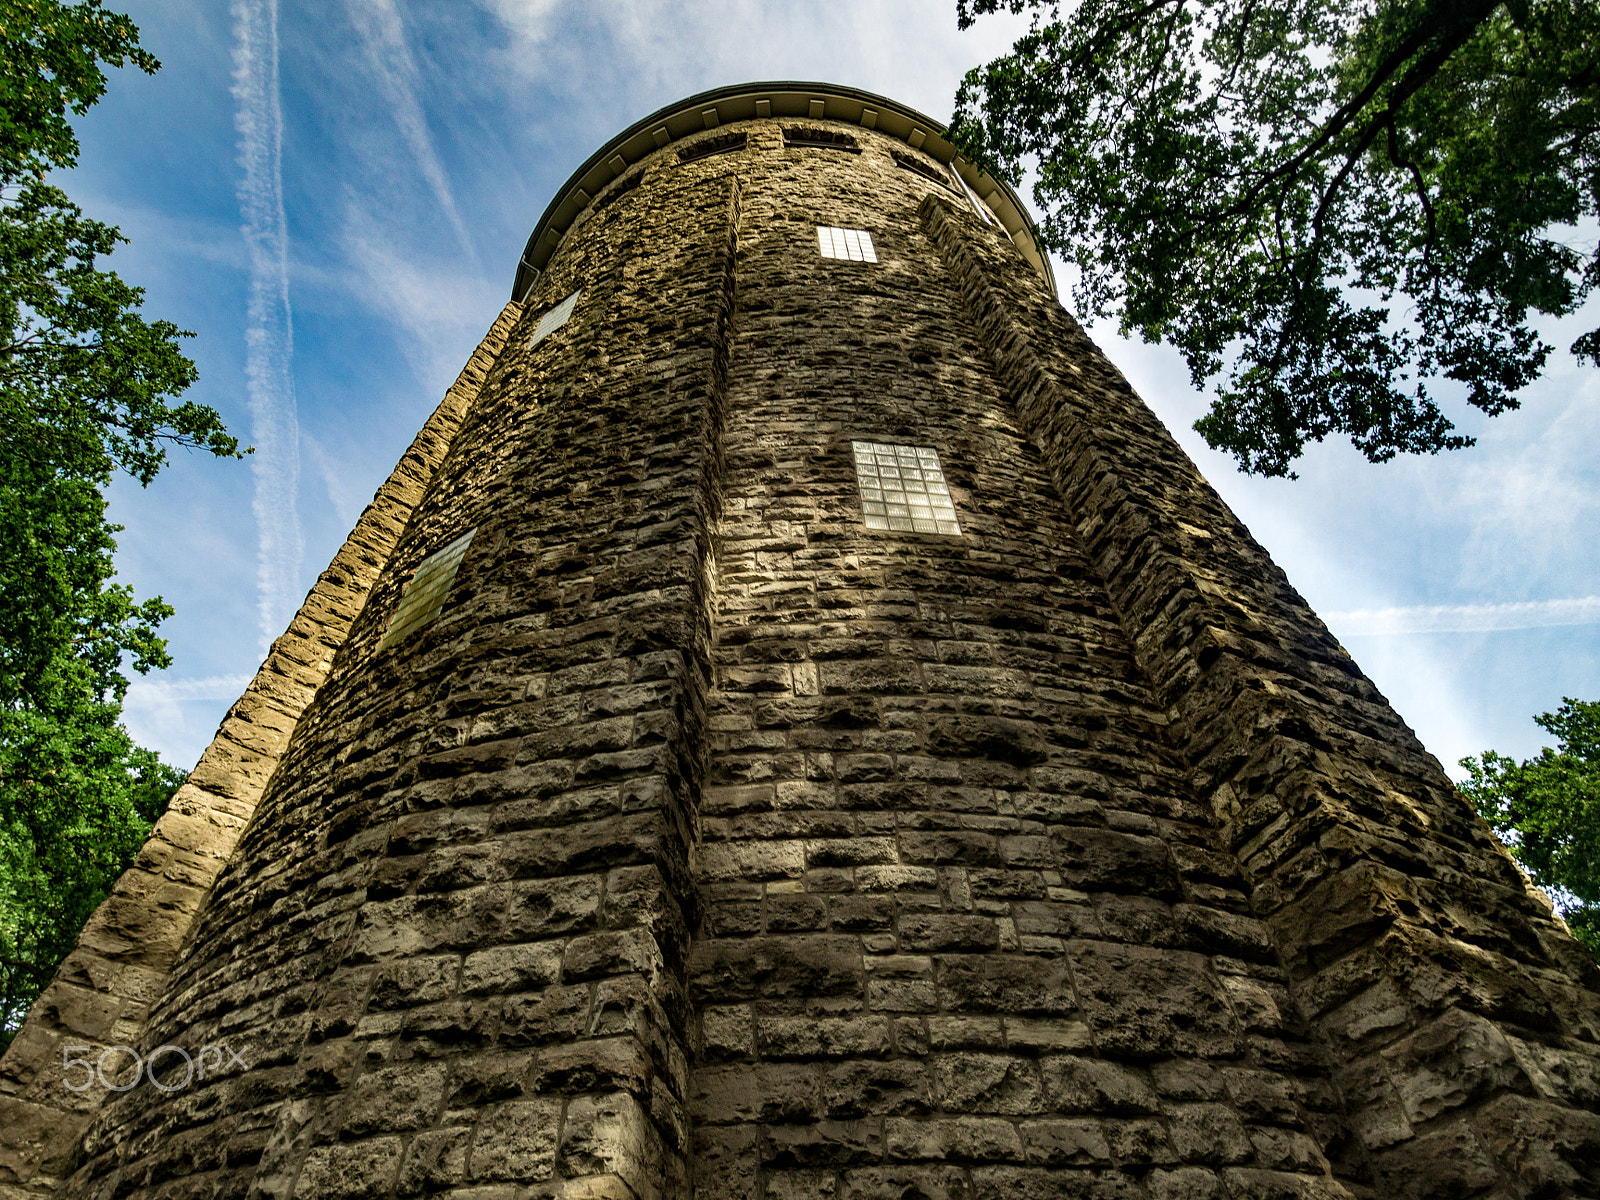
(1346, 211)
(1547, 810)
(86, 389)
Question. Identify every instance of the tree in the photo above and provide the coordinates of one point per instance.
(1547, 810)
(85, 384)
(1346, 210)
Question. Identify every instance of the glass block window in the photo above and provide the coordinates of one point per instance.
(903, 489)
(554, 319)
(854, 244)
(425, 594)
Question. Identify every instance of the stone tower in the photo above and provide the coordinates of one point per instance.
(795, 725)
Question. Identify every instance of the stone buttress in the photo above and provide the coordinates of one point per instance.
(716, 840)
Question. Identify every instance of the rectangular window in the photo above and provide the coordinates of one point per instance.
(706, 147)
(554, 319)
(424, 596)
(819, 139)
(619, 191)
(903, 489)
(907, 162)
(854, 244)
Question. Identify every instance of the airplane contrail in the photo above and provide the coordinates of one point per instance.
(269, 332)
(1465, 618)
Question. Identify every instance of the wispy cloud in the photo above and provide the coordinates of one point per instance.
(1465, 618)
(177, 716)
(347, 489)
(212, 687)
(382, 33)
(661, 50)
(269, 337)
(439, 311)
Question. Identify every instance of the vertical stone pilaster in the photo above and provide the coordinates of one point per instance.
(453, 939)
(1439, 982)
(102, 992)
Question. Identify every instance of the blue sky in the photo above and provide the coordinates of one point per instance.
(340, 227)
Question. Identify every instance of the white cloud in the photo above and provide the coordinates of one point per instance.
(212, 687)
(1528, 490)
(382, 35)
(530, 21)
(1465, 618)
(177, 717)
(1429, 694)
(440, 311)
(346, 483)
(910, 50)
(269, 335)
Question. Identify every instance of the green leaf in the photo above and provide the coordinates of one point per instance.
(88, 386)
(1341, 214)
(1547, 811)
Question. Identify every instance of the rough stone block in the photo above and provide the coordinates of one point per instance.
(1148, 1003)
(989, 1083)
(747, 1092)
(901, 1182)
(593, 1065)
(1450, 1063)
(1106, 860)
(970, 1138)
(1060, 1143)
(505, 969)
(823, 1037)
(825, 1144)
(1207, 1133)
(396, 1098)
(1043, 1183)
(806, 964)
(1019, 984)
(608, 1134)
(353, 1171)
(516, 1141)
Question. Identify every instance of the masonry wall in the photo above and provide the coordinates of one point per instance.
(966, 932)
(712, 844)
(1460, 1021)
(101, 995)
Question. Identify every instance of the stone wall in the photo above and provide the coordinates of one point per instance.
(452, 940)
(966, 931)
(710, 843)
(101, 995)
(1461, 1020)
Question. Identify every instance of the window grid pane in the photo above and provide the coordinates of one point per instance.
(424, 596)
(554, 319)
(903, 489)
(854, 245)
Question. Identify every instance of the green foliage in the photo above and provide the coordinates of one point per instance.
(1547, 810)
(85, 384)
(1346, 210)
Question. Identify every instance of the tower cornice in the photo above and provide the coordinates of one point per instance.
(759, 101)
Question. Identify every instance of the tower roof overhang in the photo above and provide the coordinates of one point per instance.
(750, 101)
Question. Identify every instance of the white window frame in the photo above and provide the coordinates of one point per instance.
(554, 319)
(854, 245)
(903, 489)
